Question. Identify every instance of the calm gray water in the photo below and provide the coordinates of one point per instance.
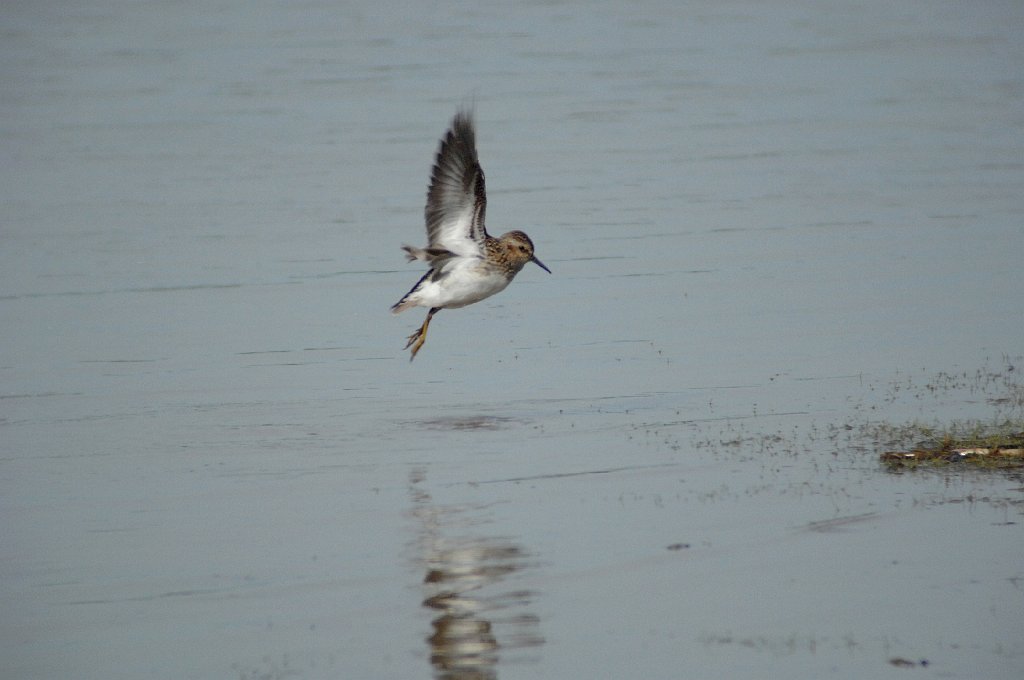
(774, 227)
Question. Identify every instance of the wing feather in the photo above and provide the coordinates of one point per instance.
(457, 197)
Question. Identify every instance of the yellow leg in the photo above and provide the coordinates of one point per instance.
(417, 339)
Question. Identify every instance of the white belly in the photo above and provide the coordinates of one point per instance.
(466, 282)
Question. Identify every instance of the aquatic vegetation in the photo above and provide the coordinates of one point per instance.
(999, 447)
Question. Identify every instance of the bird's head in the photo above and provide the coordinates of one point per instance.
(519, 250)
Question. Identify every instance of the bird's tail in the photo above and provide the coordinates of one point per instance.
(402, 305)
(406, 302)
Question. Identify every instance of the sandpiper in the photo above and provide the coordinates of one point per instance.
(466, 264)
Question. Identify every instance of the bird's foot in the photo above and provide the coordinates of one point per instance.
(417, 339)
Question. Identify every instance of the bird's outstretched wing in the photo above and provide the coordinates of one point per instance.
(457, 198)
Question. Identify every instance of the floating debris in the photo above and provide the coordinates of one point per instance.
(996, 451)
(900, 662)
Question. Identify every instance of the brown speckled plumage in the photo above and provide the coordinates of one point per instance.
(511, 251)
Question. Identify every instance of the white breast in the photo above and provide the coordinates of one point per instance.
(465, 281)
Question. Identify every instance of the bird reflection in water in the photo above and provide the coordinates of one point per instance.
(476, 622)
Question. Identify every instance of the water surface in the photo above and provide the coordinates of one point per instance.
(774, 227)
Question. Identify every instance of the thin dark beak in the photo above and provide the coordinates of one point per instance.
(540, 264)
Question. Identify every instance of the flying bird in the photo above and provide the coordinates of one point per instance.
(467, 264)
